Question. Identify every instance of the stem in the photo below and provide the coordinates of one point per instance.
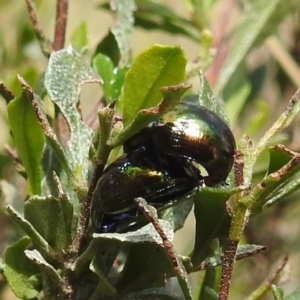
(228, 259)
(151, 216)
(236, 229)
(266, 285)
(60, 24)
(6, 93)
(45, 44)
(85, 210)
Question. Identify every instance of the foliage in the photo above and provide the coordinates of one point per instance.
(55, 149)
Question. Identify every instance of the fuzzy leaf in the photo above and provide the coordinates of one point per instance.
(124, 25)
(104, 288)
(152, 69)
(177, 214)
(208, 99)
(155, 16)
(145, 236)
(37, 259)
(65, 74)
(144, 241)
(18, 269)
(52, 218)
(36, 238)
(29, 139)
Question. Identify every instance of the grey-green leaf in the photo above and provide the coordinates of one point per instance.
(65, 74)
(36, 238)
(18, 269)
(52, 218)
(124, 25)
(38, 259)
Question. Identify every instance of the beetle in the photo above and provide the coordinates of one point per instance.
(126, 179)
(160, 164)
(188, 132)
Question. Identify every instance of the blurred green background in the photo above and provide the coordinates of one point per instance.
(270, 73)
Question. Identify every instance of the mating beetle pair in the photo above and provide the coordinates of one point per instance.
(160, 164)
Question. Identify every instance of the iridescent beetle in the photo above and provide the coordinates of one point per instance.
(160, 164)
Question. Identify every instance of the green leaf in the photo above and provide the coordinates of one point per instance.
(212, 221)
(124, 25)
(236, 103)
(140, 273)
(277, 292)
(52, 218)
(79, 39)
(36, 238)
(65, 74)
(37, 259)
(155, 16)
(44, 123)
(278, 184)
(104, 288)
(207, 98)
(29, 139)
(283, 121)
(118, 81)
(143, 241)
(104, 67)
(113, 78)
(171, 97)
(278, 158)
(259, 118)
(109, 47)
(177, 213)
(260, 19)
(18, 269)
(208, 285)
(294, 295)
(243, 251)
(155, 293)
(152, 69)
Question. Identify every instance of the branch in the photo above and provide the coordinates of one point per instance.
(6, 93)
(85, 210)
(40, 36)
(60, 24)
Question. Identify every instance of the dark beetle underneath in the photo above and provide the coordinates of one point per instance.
(160, 164)
(125, 179)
